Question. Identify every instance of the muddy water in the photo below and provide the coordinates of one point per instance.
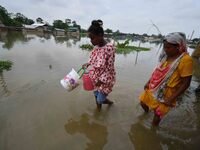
(37, 113)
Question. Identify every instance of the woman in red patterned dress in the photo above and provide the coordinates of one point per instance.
(101, 62)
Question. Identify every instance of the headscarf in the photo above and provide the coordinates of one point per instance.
(175, 38)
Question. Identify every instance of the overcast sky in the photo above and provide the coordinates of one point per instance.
(129, 16)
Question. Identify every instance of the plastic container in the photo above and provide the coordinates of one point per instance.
(71, 80)
(87, 82)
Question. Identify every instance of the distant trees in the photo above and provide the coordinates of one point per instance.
(74, 24)
(17, 19)
(22, 19)
(39, 20)
(60, 24)
(108, 31)
(65, 25)
(116, 33)
(5, 18)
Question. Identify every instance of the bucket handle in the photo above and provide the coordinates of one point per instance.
(81, 71)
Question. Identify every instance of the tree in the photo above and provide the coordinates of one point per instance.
(145, 35)
(4, 16)
(39, 20)
(68, 21)
(116, 33)
(60, 24)
(76, 25)
(21, 19)
(108, 31)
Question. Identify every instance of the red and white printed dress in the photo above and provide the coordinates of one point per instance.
(102, 67)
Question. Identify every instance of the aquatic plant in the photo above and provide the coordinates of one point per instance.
(87, 46)
(5, 65)
(121, 48)
(128, 49)
(123, 44)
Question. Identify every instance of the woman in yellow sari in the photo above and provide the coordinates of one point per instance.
(170, 78)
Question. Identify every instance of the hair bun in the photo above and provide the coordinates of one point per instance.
(97, 23)
(100, 22)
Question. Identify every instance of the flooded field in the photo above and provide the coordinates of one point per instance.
(37, 113)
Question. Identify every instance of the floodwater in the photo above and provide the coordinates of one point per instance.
(37, 113)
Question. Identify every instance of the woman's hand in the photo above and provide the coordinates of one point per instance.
(168, 102)
(146, 86)
(98, 83)
(85, 66)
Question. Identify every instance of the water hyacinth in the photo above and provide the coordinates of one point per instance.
(5, 65)
(121, 48)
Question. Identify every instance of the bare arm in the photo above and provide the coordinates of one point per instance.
(146, 86)
(85, 66)
(185, 83)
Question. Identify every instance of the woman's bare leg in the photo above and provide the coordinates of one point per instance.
(156, 120)
(107, 101)
(145, 107)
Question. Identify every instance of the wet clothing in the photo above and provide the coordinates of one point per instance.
(100, 97)
(184, 69)
(102, 67)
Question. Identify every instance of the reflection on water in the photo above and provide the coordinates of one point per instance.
(10, 38)
(3, 84)
(4, 66)
(144, 138)
(96, 133)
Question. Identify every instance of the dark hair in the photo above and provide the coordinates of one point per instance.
(96, 27)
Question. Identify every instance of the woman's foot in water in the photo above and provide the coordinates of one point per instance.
(145, 107)
(98, 106)
(156, 120)
(107, 101)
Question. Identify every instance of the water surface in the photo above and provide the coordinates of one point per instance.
(37, 113)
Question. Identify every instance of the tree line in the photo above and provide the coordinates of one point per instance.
(18, 20)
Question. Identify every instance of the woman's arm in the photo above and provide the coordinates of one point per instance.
(146, 86)
(185, 83)
(86, 65)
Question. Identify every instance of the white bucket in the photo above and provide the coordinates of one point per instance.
(71, 80)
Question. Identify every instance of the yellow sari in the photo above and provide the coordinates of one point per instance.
(183, 69)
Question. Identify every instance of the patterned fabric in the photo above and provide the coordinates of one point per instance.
(102, 62)
(158, 75)
(161, 76)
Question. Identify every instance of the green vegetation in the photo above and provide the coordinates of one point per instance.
(121, 48)
(60, 24)
(65, 25)
(5, 65)
(87, 47)
(123, 44)
(128, 49)
(10, 19)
